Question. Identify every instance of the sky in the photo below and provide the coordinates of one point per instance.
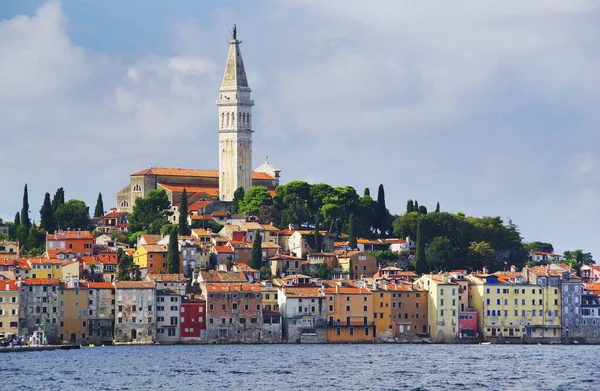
(490, 108)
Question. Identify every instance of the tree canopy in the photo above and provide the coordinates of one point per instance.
(150, 213)
(74, 215)
(254, 198)
(99, 209)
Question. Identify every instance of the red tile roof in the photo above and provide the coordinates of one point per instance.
(114, 214)
(167, 277)
(192, 173)
(235, 287)
(9, 285)
(40, 281)
(7, 262)
(70, 235)
(98, 285)
(223, 249)
(302, 292)
(135, 285)
(198, 205)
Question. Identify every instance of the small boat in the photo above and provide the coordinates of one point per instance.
(485, 343)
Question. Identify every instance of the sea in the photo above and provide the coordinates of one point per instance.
(309, 367)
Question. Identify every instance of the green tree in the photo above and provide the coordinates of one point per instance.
(481, 254)
(254, 198)
(47, 221)
(99, 210)
(12, 230)
(238, 196)
(23, 235)
(183, 228)
(265, 273)
(578, 258)
(294, 200)
(256, 256)
(440, 254)
(229, 262)
(422, 210)
(35, 241)
(416, 206)
(269, 214)
(381, 212)
(338, 207)
(323, 272)
(17, 219)
(351, 234)
(437, 207)
(58, 200)
(539, 246)
(25, 220)
(151, 213)
(73, 215)
(410, 206)
(125, 266)
(318, 239)
(421, 262)
(173, 252)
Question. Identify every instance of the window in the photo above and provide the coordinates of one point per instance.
(347, 308)
(351, 330)
(365, 308)
(441, 292)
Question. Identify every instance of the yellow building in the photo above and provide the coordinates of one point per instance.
(349, 314)
(510, 307)
(71, 270)
(9, 250)
(152, 259)
(45, 268)
(382, 307)
(72, 312)
(9, 308)
(442, 305)
(270, 296)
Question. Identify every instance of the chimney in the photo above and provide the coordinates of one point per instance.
(484, 270)
(7, 286)
(337, 288)
(513, 268)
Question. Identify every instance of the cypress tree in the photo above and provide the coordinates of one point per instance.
(256, 257)
(318, 238)
(17, 219)
(58, 200)
(380, 211)
(367, 192)
(47, 220)
(238, 196)
(351, 233)
(410, 206)
(416, 206)
(184, 229)
(421, 262)
(173, 252)
(437, 207)
(99, 210)
(25, 210)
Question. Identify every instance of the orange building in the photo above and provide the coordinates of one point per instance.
(73, 312)
(152, 259)
(349, 314)
(78, 242)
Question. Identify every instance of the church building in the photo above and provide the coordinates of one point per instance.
(235, 151)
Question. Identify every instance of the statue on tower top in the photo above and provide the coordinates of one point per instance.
(234, 32)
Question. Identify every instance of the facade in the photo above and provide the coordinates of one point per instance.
(358, 264)
(114, 222)
(39, 307)
(101, 312)
(9, 250)
(80, 243)
(45, 268)
(167, 315)
(399, 310)
(349, 314)
(152, 259)
(136, 311)
(9, 307)
(302, 305)
(234, 312)
(193, 320)
(73, 313)
(442, 305)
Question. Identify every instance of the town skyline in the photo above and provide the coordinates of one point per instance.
(106, 106)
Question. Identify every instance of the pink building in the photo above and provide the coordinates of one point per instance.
(193, 320)
(467, 323)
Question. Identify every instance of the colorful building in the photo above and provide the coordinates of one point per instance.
(73, 313)
(101, 312)
(442, 305)
(349, 314)
(38, 308)
(193, 319)
(80, 243)
(45, 268)
(398, 310)
(358, 264)
(9, 307)
(152, 259)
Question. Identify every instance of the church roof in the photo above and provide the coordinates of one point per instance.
(235, 73)
(186, 172)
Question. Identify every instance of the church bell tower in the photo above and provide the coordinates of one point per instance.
(235, 125)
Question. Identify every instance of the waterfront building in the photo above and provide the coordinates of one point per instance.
(9, 307)
(193, 319)
(302, 304)
(78, 243)
(349, 314)
(442, 305)
(73, 312)
(590, 315)
(234, 312)
(271, 327)
(167, 315)
(270, 296)
(399, 310)
(101, 312)
(136, 311)
(38, 298)
(547, 279)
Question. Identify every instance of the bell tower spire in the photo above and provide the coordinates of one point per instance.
(235, 124)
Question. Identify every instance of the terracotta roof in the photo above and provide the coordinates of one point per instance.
(235, 287)
(62, 235)
(54, 253)
(135, 285)
(114, 214)
(286, 232)
(217, 276)
(270, 245)
(154, 248)
(223, 249)
(45, 261)
(167, 277)
(7, 262)
(245, 268)
(192, 173)
(302, 292)
(98, 285)
(198, 205)
(295, 276)
(220, 214)
(211, 190)
(151, 239)
(269, 227)
(201, 217)
(12, 285)
(22, 263)
(40, 281)
(202, 232)
(395, 287)
(348, 291)
(284, 257)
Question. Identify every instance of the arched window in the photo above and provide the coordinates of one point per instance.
(137, 188)
(124, 204)
(232, 119)
(222, 119)
(227, 123)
